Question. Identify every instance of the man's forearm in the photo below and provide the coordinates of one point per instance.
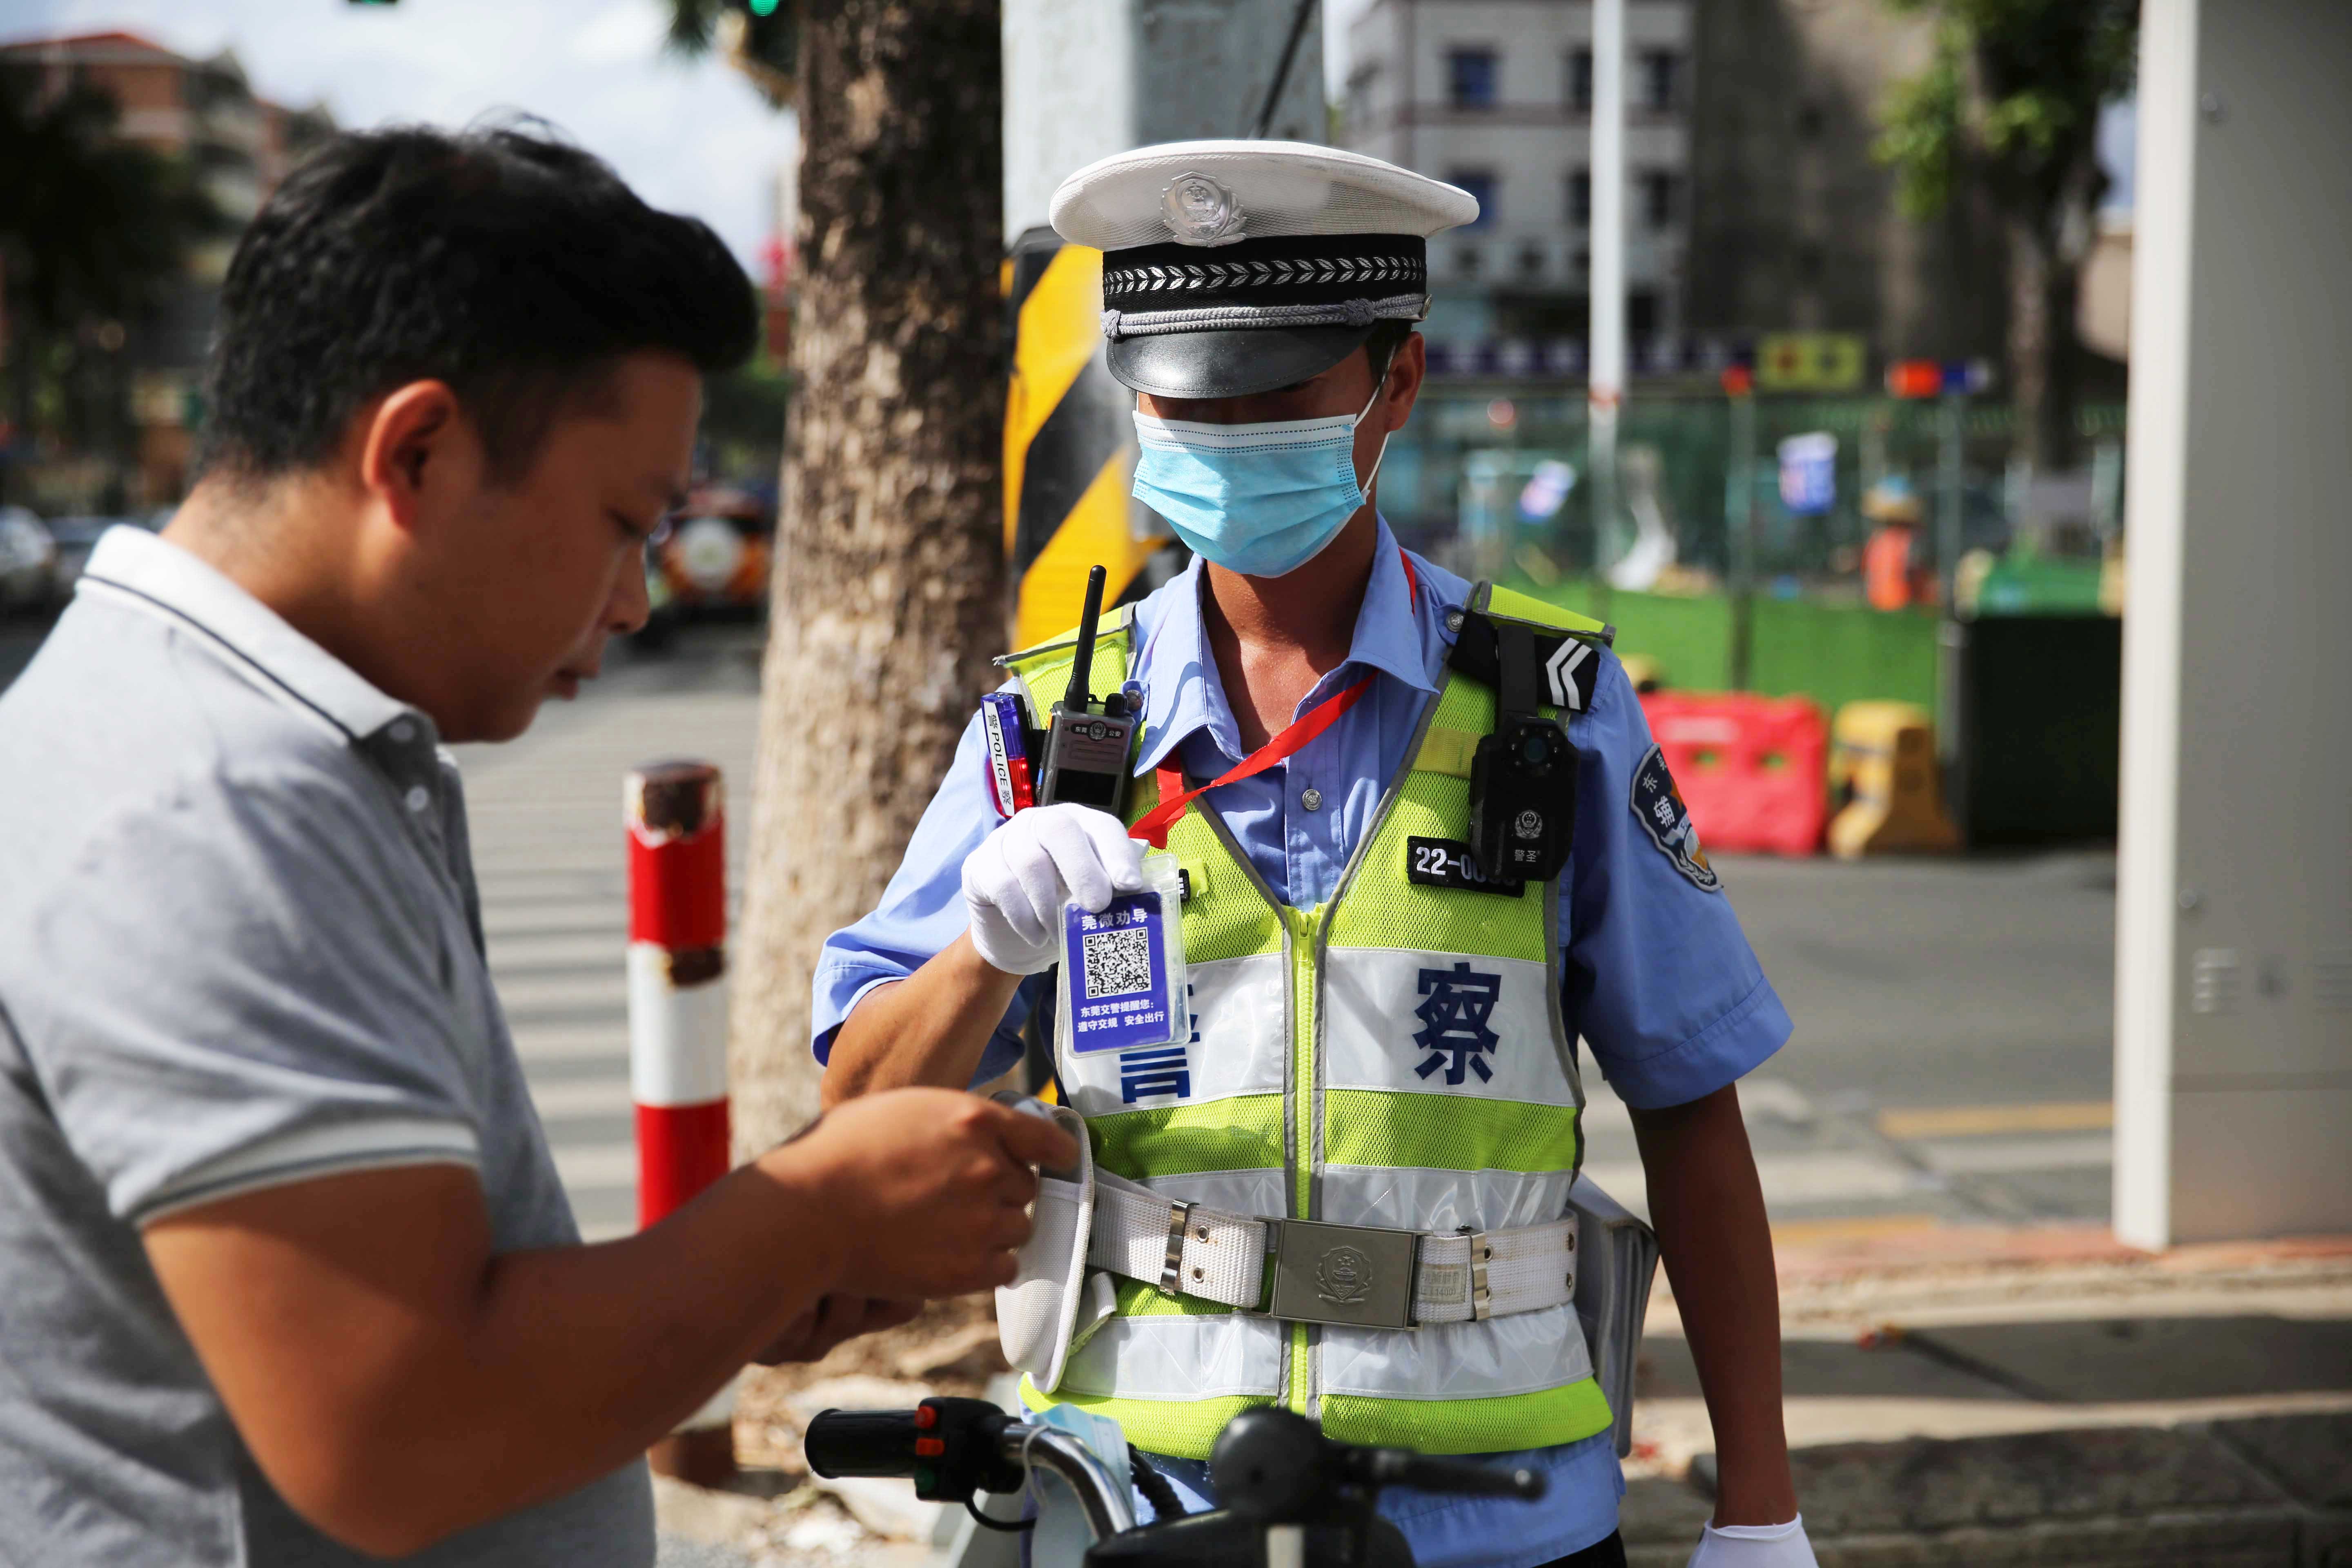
(586, 1354)
(1708, 1209)
(930, 1028)
(509, 1379)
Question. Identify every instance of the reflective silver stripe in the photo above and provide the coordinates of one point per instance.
(1118, 324)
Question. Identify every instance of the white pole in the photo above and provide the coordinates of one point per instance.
(2150, 902)
(1606, 378)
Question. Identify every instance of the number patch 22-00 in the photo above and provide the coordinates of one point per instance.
(1447, 863)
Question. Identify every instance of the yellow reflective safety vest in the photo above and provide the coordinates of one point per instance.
(1395, 1056)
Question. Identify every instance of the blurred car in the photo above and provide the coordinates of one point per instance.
(76, 537)
(28, 560)
(714, 555)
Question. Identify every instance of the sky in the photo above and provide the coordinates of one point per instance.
(690, 136)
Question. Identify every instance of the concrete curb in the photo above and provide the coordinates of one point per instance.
(2261, 1492)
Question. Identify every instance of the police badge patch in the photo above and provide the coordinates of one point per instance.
(1659, 805)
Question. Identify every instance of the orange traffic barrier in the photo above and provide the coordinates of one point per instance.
(1751, 769)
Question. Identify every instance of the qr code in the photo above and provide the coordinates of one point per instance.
(1118, 963)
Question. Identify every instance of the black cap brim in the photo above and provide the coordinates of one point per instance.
(1234, 363)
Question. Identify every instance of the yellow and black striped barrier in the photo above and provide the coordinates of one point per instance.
(1069, 445)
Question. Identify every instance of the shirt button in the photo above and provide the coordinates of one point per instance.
(418, 797)
(1311, 799)
(403, 731)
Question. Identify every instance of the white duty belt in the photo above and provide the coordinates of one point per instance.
(1359, 1276)
(1088, 1224)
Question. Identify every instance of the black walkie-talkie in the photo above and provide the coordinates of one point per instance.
(1086, 758)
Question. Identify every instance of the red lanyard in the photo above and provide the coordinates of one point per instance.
(1153, 825)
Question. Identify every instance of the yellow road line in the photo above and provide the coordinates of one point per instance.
(1863, 1227)
(1978, 1121)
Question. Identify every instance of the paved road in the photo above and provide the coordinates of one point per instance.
(1951, 1062)
(548, 851)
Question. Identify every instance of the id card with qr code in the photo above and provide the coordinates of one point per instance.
(1119, 976)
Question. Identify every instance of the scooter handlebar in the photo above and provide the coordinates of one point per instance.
(862, 1443)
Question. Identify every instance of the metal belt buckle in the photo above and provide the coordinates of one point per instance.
(1360, 1276)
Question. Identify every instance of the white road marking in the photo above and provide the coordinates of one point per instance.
(582, 1096)
(2003, 1156)
(594, 1167)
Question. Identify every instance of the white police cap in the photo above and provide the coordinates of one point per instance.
(1232, 268)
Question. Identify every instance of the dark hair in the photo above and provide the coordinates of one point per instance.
(514, 267)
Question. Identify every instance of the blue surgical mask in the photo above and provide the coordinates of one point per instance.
(1261, 499)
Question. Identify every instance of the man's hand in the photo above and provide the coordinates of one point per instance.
(926, 1189)
(834, 1320)
(1015, 883)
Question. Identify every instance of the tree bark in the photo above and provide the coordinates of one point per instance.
(2043, 284)
(888, 599)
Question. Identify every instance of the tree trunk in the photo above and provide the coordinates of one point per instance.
(2042, 286)
(888, 599)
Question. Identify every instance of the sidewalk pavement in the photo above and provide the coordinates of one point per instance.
(1960, 1395)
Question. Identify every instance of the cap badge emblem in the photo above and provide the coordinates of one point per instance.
(1199, 211)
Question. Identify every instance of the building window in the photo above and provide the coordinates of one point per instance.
(1661, 80)
(1580, 81)
(1470, 78)
(1579, 198)
(1465, 262)
(1659, 189)
(1479, 183)
(1531, 261)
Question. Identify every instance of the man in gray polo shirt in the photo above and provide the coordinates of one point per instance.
(288, 1276)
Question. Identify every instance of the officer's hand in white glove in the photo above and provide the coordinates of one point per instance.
(1755, 1546)
(1015, 883)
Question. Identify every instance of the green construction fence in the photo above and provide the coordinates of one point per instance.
(1835, 653)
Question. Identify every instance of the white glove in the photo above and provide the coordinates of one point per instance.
(1755, 1546)
(1015, 883)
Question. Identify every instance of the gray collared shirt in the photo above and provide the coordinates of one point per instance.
(239, 946)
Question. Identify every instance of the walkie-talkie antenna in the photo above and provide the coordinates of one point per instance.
(1081, 666)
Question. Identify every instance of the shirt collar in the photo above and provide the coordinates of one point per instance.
(159, 577)
(1181, 689)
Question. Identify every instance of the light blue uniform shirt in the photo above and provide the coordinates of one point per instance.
(1657, 978)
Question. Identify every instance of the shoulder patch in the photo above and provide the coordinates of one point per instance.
(1658, 805)
(1570, 661)
(1570, 672)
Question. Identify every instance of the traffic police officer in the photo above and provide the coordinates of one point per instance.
(1382, 1035)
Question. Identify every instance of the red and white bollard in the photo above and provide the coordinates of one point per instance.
(677, 821)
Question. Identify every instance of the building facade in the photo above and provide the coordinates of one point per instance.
(1795, 225)
(1754, 206)
(237, 145)
(1496, 96)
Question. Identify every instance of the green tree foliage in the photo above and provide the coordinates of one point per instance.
(90, 227)
(2010, 103)
(761, 36)
(88, 224)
